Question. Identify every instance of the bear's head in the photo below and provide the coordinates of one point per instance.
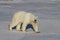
(35, 18)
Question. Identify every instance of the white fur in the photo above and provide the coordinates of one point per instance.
(25, 18)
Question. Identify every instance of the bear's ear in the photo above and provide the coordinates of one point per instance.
(36, 17)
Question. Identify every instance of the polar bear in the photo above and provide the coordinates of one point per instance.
(25, 18)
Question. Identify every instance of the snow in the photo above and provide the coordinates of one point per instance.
(48, 20)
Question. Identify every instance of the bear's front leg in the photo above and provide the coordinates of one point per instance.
(35, 26)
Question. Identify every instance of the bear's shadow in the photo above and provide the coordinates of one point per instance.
(28, 26)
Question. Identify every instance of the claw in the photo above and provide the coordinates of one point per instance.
(24, 31)
(37, 32)
(18, 30)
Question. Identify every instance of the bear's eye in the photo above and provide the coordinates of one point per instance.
(35, 20)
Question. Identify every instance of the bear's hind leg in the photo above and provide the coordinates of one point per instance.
(10, 27)
(13, 24)
(24, 27)
(18, 27)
